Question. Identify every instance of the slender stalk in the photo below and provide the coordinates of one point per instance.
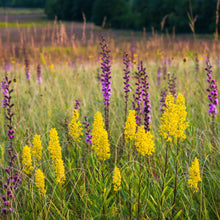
(175, 186)
(139, 191)
(213, 131)
(103, 181)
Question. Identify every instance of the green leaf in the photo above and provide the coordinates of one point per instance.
(178, 214)
(151, 206)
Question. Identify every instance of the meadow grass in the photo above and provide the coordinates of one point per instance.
(88, 190)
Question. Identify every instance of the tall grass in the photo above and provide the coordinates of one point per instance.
(88, 189)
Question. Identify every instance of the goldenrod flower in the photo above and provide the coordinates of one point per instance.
(182, 124)
(60, 171)
(54, 145)
(37, 147)
(194, 175)
(116, 179)
(55, 154)
(100, 141)
(173, 118)
(130, 127)
(144, 141)
(26, 160)
(75, 127)
(39, 181)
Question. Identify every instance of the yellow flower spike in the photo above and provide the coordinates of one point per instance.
(116, 179)
(100, 142)
(144, 142)
(39, 181)
(60, 171)
(26, 160)
(54, 145)
(37, 147)
(194, 175)
(173, 118)
(130, 127)
(75, 127)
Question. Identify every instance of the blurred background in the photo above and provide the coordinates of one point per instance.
(180, 16)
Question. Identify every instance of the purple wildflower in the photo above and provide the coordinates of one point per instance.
(172, 84)
(106, 78)
(159, 73)
(140, 95)
(165, 68)
(4, 87)
(39, 76)
(126, 77)
(77, 104)
(163, 95)
(213, 93)
(27, 68)
(87, 131)
(13, 178)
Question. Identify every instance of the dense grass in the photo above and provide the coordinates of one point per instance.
(85, 192)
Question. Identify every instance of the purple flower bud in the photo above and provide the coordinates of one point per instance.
(6, 170)
(6, 203)
(4, 210)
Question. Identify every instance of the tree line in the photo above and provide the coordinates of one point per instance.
(181, 15)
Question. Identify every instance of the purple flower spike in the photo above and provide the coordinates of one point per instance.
(27, 68)
(163, 95)
(12, 177)
(213, 93)
(159, 74)
(39, 75)
(172, 84)
(126, 78)
(141, 103)
(106, 77)
(77, 104)
(87, 131)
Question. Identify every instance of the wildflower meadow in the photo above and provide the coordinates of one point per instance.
(109, 126)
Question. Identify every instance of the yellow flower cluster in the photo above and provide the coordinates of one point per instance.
(194, 175)
(26, 160)
(173, 118)
(55, 154)
(54, 145)
(75, 127)
(144, 141)
(130, 127)
(100, 141)
(116, 179)
(60, 171)
(39, 181)
(37, 147)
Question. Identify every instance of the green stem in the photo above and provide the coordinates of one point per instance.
(175, 186)
(165, 171)
(139, 191)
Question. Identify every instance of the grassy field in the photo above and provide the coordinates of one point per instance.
(69, 56)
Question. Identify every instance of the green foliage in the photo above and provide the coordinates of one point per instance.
(138, 14)
(115, 13)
